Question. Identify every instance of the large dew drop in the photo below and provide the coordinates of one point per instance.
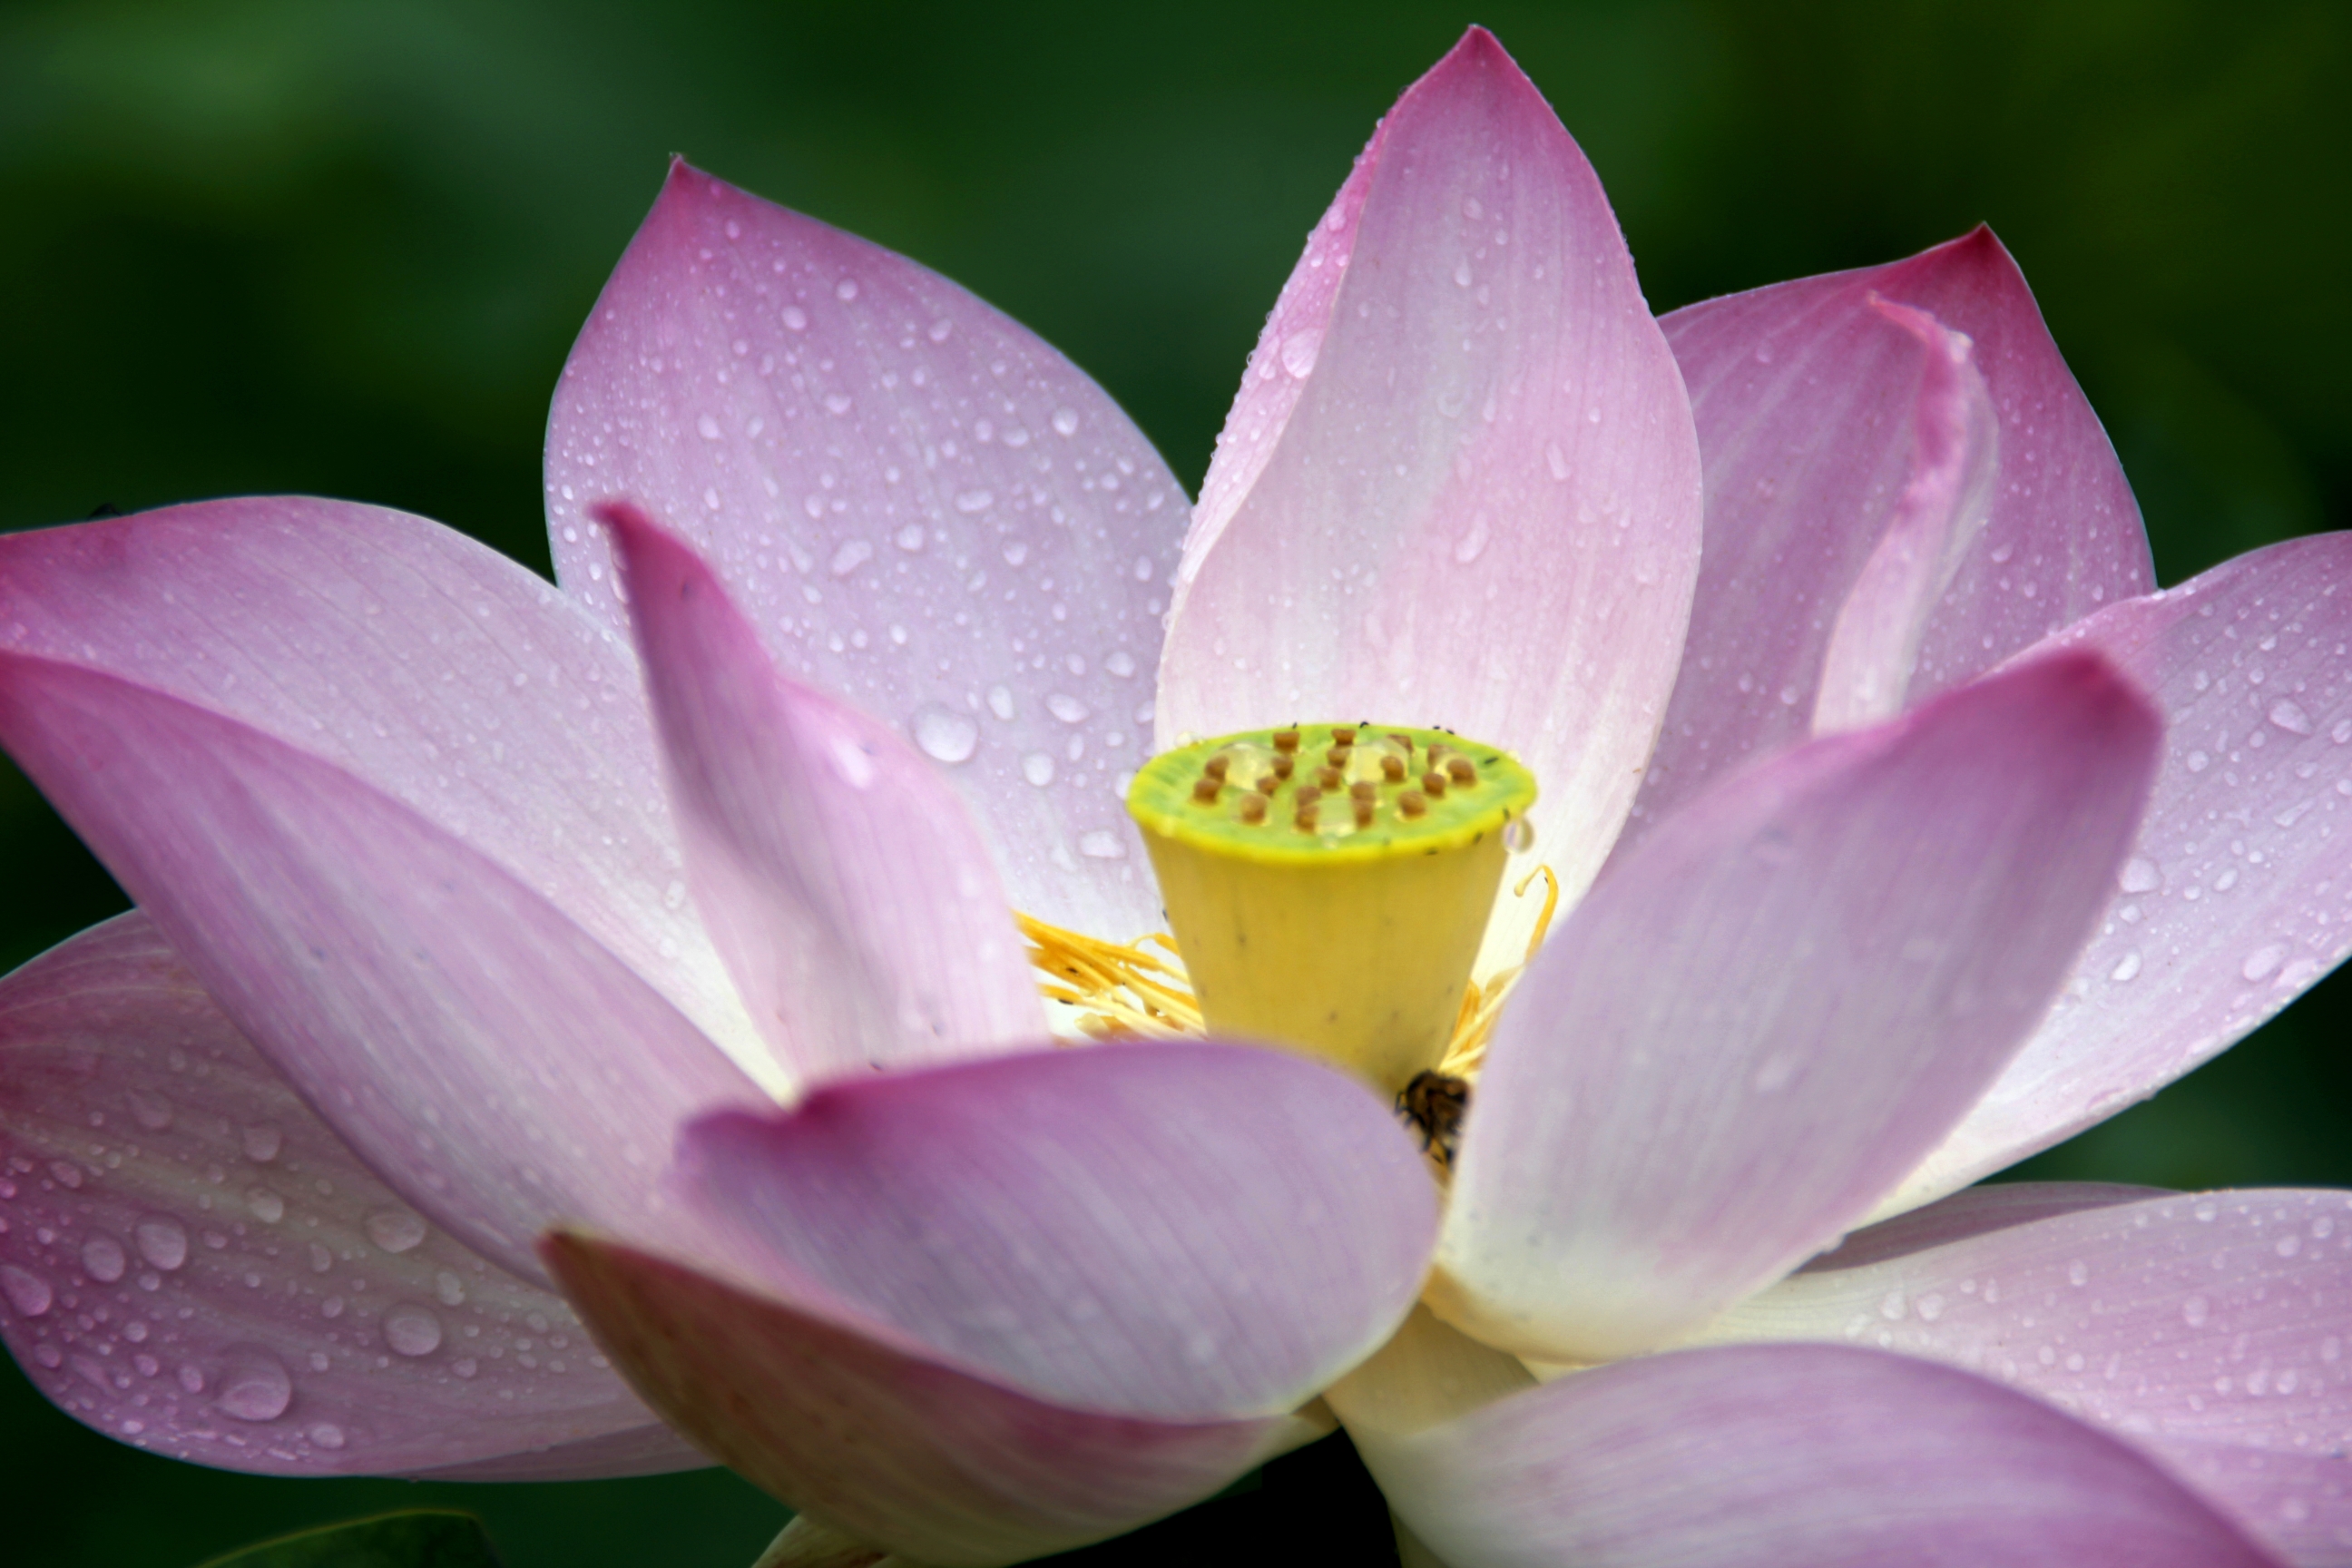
(945, 736)
(254, 1385)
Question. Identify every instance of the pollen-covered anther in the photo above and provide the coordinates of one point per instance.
(1205, 790)
(1413, 804)
(1343, 735)
(1460, 770)
(1327, 778)
(1217, 766)
(1285, 740)
(1432, 784)
(1338, 755)
(1364, 791)
(1283, 765)
(1393, 768)
(1253, 809)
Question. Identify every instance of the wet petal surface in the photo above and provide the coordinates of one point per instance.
(928, 512)
(1739, 1040)
(2238, 895)
(1480, 509)
(837, 870)
(192, 1263)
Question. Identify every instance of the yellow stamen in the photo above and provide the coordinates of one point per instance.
(1120, 991)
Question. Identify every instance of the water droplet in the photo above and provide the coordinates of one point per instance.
(2261, 963)
(1519, 835)
(1065, 421)
(161, 1242)
(396, 1230)
(1039, 769)
(1556, 461)
(910, 538)
(1461, 274)
(327, 1435)
(795, 317)
(850, 556)
(706, 425)
(2140, 876)
(2128, 967)
(411, 1329)
(2288, 716)
(1101, 844)
(151, 1111)
(846, 290)
(945, 736)
(254, 1385)
(2193, 1312)
(261, 1143)
(1000, 702)
(1068, 709)
(1298, 352)
(1120, 663)
(266, 1206)
(27, 1291)
(103, 1257)
(1473, 544)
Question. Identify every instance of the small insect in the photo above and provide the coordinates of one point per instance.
(1434, 1105)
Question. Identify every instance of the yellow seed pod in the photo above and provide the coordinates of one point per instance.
(1328, 884)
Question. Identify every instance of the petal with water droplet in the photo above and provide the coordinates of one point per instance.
(227, 1359)
(2238, 894)
(480, 1041)
(836, 867)
(849, 418)
(982, 1311)
(1744, 1035)
(2184, 1324)
(1804, 398)
(1332, 559)
(1761, 1456)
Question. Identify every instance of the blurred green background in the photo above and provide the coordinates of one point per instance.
(341, 247)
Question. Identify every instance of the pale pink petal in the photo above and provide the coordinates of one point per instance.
(2293, 1503)
(1804, 399)
(837, 869)
(2238, 894)
(1875, 645)
(440, 672)
(1184, 1230)
(470, 1041)
(1764, 1456)
(987, 1310)
(928, 512)
(1750, 1028)
(2182, 1323)
(191, 1262)
(881, 1443)
(1481, 509)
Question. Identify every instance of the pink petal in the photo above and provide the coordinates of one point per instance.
(2236, 898)
(474, 1043)
(1188, 1231)
(1761, 1456)
(885, 1445)
(1874, 646)
(2183, 1324)
(837, 869)
(192, 1263)
(1481, 506)
(927, 511)
(406, 655)
(1804, 399)
(1748, 1031)
(992, 1310)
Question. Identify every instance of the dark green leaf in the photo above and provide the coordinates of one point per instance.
(422, 1538)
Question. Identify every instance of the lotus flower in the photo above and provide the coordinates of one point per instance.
(640, 952)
